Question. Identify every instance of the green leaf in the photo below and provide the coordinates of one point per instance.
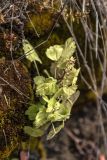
(54, 52)
(69, 49)
(69, 106)
(76, 72)
(45, 98)
(51, 105)
(34, 132)
(33, 110)
(71, 78)
(54, 131)
(60, 113)
(39, 80)
(30, 52)
(49, 87)
(41, 117)
(69, 90)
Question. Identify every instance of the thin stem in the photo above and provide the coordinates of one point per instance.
(36, 68)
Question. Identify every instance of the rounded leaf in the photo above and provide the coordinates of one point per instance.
(54, 52)
(34, 132)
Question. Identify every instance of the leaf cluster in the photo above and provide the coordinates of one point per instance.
(56, 98)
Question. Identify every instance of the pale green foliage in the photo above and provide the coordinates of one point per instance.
(46, 87)
(69, 49)
(41, 117)
(30, 52)
(54, 52)
(39, 80)
(34, 132)
(56, 96)
(59, 113)
(33, 110)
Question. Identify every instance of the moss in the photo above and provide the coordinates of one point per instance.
(15, 94)
(41, 16)
(41, 22)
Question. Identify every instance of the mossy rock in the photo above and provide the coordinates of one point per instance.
(41, 16)
(40, 23)
(15, 93)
